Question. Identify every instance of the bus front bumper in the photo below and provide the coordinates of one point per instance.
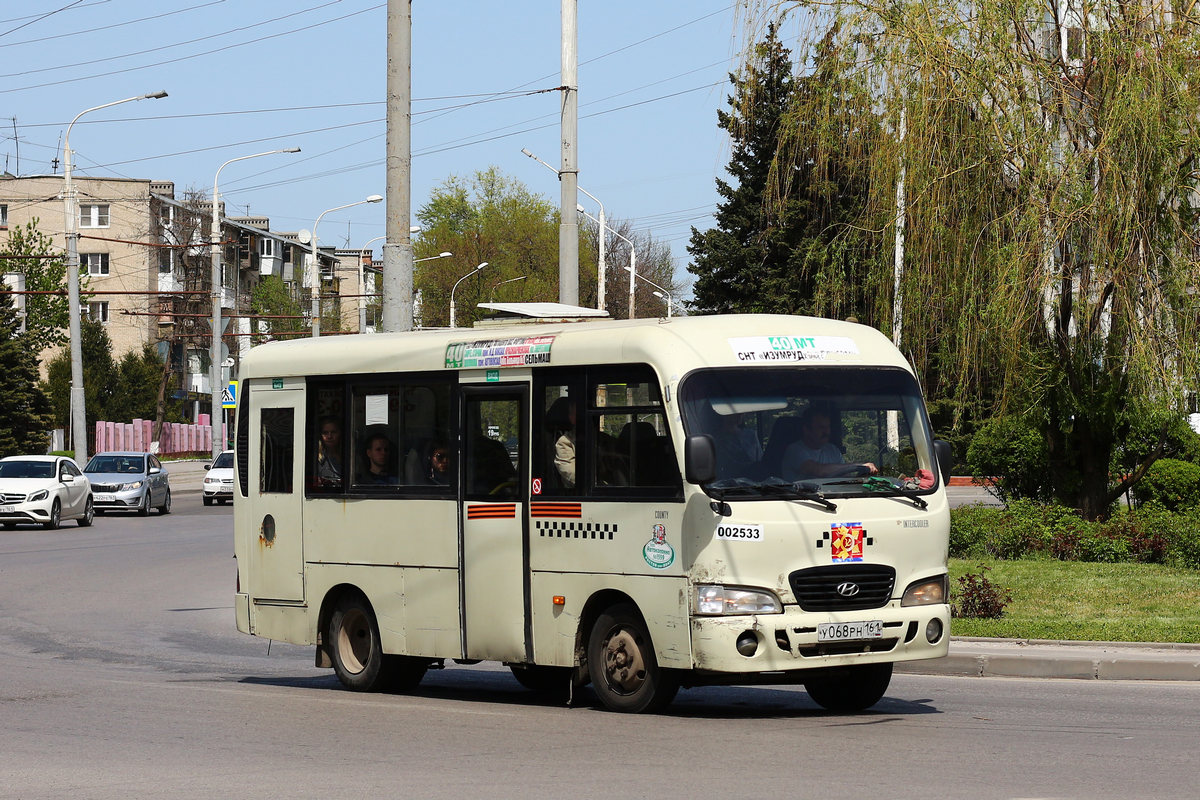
(793, 640)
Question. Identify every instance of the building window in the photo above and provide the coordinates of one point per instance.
(166, 260)
(93, 216)
(98, 311)
(3, 216)
(266, 247)
(94, 263)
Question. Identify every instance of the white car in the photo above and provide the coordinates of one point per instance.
(43, 490)
(218, 481)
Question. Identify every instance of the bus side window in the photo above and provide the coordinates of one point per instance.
(276, 451)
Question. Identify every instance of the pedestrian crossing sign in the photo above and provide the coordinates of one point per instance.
(229, 395)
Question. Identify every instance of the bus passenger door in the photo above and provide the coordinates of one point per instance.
(276, 484)
(494, 556)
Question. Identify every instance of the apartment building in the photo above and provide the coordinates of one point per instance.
(145, 256)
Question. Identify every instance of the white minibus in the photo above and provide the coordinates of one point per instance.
(645, 505)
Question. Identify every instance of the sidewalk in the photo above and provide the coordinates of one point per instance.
(187, 477)
(1039, 658)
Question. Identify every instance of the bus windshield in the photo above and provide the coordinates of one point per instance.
(811, 431)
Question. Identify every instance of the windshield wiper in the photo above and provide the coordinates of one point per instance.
(887, 488)
(800, 490)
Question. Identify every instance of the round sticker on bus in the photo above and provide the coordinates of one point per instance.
(537, 485)
(657, 552)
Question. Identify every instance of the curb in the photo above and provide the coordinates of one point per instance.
(1120, 661)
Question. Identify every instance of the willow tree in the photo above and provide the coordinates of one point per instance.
(1046, 152)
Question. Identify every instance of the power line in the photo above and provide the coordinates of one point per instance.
(39, 19)
(44, 39)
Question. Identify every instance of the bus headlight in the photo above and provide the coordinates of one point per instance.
(928, 592)
(712, 600)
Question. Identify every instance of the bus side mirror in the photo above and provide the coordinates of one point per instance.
(945, 458)
(700, 459)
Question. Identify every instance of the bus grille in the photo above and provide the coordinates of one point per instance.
(816, 588)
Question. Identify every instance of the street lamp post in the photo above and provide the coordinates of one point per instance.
(661, 293)
(460, 280)
(632, 268)
(78, 411)
(501, 283)
(315, 274)
(214, 240)
(601, 277)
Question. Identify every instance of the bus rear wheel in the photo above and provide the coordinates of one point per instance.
(354, 645)
(856, 689)
(621, 661)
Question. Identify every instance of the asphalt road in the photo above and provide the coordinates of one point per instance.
(123, 676)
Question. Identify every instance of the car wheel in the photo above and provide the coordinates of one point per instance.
(144, 506)
(55, 517)
(89, 511)
(165, 508)
(207, 500)
(624, 670)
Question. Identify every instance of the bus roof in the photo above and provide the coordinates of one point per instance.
(675, 346)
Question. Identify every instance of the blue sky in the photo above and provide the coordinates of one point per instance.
(246, 76)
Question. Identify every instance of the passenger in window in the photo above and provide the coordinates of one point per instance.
(814, 455)
(379, 456)
(439, 465)
(564, 448)
(329, 453)
(738, 449)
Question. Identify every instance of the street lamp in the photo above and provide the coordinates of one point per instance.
(501, 283)
(632, 268)
(447, 254)
(214, 240)
(601, 279)
(460, 280)
(78, 412)
(661, 293)
(316, 266)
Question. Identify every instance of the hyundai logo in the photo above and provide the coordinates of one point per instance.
(847, 589)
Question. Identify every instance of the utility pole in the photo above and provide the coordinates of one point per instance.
(397, 278)
(568, 229)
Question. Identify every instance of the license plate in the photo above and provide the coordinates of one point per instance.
(103, 498)
(6, 509)
(849, 631)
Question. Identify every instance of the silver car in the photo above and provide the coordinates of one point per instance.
(129, 482)
(44, 490)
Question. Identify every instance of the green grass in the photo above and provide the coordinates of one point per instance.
(1086, 602)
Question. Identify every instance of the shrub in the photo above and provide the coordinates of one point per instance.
(1172, 484)
(1144, 532)
(1013, 452)
(1183, 541)
(969, 527)
(979, 598)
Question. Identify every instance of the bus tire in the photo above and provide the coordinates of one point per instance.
(549, 681)
(621, 661)
(856, 689)
(403, 673)
(354, 645)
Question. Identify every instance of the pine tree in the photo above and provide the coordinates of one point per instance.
(24, 408)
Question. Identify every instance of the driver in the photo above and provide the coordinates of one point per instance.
(814, 455)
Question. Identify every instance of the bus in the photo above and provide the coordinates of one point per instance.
(643, 505)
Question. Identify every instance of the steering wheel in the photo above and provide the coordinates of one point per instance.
(852, 471)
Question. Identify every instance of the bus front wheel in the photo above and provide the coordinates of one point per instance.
(856, 689)
(354, 645)
(621, 661)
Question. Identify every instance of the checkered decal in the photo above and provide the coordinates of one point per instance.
(870, 540)
(576, 530)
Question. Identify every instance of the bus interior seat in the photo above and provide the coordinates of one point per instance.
(785, 431)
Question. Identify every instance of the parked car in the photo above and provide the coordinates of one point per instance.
(218, 481)
(44, 490)
(129, 482)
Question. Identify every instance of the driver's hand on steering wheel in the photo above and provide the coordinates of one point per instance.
(871, 466)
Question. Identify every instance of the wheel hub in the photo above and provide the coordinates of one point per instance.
(624, 666)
